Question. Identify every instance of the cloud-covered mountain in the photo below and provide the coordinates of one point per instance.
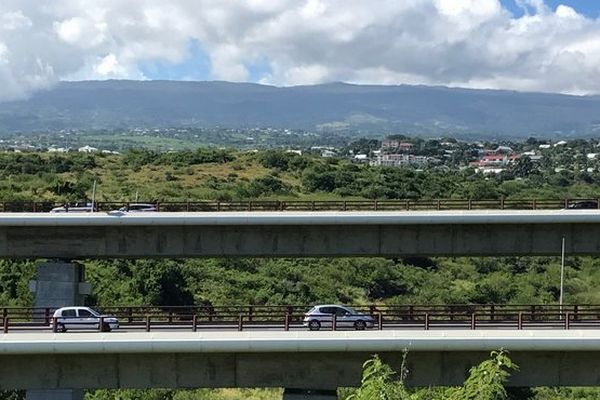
(336, 106)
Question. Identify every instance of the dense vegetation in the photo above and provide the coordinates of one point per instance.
(227, 174)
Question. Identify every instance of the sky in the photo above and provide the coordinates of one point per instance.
(525, 45)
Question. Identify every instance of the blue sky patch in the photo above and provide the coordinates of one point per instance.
(590, 8)
(196, 66)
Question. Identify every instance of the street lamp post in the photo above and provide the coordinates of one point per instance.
(562, 274)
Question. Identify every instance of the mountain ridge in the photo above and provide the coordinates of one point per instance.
(336, 106)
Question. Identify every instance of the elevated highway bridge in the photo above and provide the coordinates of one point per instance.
(302, 360)
(299, 234)
(144, 359)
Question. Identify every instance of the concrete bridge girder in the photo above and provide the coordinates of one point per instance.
(301, 241)
(326, 371)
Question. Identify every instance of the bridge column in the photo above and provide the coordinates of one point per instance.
(309, 394)
(59, 283)
(66, 394)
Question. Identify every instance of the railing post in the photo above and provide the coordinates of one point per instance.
(241, 323)
(312, 205)
(520, 321)
(473, 322)
(250, 206)
(439, 205)
(380, 321)
(407, 204)
(195, 323)
(101, 325)
(534, 204)
(129, 314)
(54, 325)
(568, 321)
(147, 323)
(575, 312)
(502, 203)
(375, 205)
(47, 315)
(250, 312)
(426, 321)
(5, 324)
(334, 322)
(470, 204)
(286, 322)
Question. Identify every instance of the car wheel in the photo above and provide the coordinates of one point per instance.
(314, 325)
(360, 325)
(61, 328)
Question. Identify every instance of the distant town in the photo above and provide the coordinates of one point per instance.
(485, 157)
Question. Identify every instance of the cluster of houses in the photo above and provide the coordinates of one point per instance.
(402, 153)
(84, 149)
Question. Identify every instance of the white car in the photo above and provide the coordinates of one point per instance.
(78, 207)
(139, 207)
(346, 317)
(82, 318)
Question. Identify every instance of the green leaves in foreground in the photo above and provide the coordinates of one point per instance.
(377, 382)
(485, 382)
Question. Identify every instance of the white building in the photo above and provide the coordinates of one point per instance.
(57, 150)
(361, 158)
(87, 149)
(398, 160)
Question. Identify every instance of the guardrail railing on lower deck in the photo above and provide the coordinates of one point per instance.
(291, 317)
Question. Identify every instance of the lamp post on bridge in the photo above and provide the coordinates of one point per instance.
(562, 275)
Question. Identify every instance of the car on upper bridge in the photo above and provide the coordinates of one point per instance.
(82, 318)
(139, 207)
(77, 207)
(323, 315)
(583, 205)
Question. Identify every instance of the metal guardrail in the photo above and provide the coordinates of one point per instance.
(240, 318)
(326, 205)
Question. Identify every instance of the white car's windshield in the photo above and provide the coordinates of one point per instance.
(94, 312)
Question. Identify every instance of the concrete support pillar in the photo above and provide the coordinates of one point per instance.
(66, 394)
(59, 283)
(309, 394)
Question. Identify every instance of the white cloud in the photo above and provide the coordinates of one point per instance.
(473, 43)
